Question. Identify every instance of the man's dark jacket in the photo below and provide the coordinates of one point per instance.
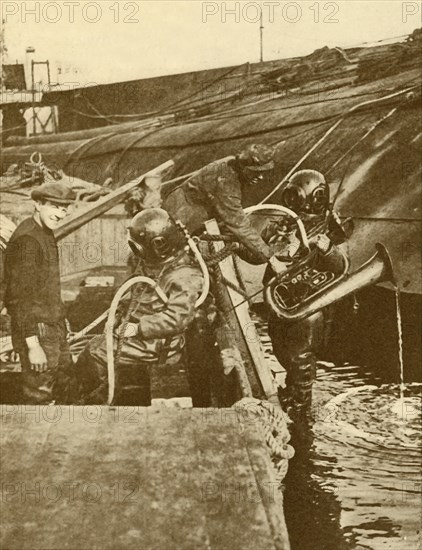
(32, 279)
(215, 191)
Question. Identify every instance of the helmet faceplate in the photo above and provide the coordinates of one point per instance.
(307, 192)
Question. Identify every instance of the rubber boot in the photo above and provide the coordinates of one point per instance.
(294, 345)
(301, 374)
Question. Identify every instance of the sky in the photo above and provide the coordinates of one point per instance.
(110, 41)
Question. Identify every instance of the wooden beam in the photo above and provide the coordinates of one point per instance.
(246, 324)
(104, 204)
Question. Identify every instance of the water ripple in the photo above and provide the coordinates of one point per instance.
(356, 476)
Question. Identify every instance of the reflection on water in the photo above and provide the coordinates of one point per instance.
(354, 482)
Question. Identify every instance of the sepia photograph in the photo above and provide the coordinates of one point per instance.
(210, 275)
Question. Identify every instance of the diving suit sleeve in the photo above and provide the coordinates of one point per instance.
(182, 290)
(228, 206)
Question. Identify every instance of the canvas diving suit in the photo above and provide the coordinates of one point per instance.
(295, 343)
(159, 342)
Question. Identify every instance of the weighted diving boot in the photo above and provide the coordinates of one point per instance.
(296, 398)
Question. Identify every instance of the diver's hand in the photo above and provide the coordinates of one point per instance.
(131, 330)
(36, 355)
(292, 248)
(276, 265)
(322, 242)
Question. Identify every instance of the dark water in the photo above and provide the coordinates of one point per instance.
(355, 480)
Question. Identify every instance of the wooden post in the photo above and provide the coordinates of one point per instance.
(97, 208)
(52, 107)
(246, 325)
(34, 118)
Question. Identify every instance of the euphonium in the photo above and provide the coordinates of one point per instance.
(303, 291)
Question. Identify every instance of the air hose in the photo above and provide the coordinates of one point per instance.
(192, 245)
(122, 291)
(204, 269)
(284, 210)
(110, 325)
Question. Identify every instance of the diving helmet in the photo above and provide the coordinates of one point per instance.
(307, 193)
(154, 236)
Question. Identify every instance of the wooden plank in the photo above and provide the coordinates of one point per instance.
(229, 335)
(246, 324)
(101, 242)
(104, 204)
(134, 477)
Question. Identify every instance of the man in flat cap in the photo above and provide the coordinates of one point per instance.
(33, 297)
(216, 191)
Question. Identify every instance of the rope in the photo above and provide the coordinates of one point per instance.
(84, 147)
(239, 277)
(384, 219)
(11, 192)
(272, 143)
(214, 259)
(350, 46)
(351, 153)
(353, 147)
(216, 238)
(218, 116)
(76, 337)
(169, 109)
(219, 295)
(132, 143)
(273, 424)
(371, 129)
(350, 111)
(235, 137)
(218, 284)
(235, 287)
(100, 115)
(201, 90)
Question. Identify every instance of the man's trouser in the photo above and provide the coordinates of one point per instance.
(53, 384)
(294, 345)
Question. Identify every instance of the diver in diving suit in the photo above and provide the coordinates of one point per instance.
(148, 333)
(295, 342)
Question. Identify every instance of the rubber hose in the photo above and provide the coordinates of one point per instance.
(110, 325)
